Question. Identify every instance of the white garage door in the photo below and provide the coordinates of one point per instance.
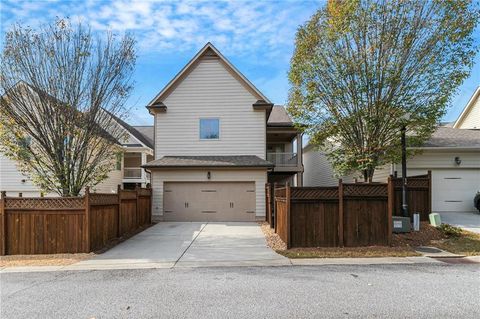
(454, 190)
(209, 201)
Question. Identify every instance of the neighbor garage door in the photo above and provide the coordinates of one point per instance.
(454, 190)
(204, 201)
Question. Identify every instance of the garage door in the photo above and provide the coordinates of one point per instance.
(215, 201)
(454, 190)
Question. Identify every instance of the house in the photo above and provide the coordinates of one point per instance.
(218, 140)
(137, 147)
(451, 153)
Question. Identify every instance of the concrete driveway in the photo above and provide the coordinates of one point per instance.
(467, 221)
(172, 244)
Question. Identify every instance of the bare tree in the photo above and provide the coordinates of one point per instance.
(359, 66)
(60, 84)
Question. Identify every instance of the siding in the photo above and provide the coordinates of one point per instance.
(210, 91)
(11, 181)
(472, 118)
(159, 177)
(431, 160)
(318, 171)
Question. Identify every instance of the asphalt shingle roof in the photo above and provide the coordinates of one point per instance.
(453, 137)
(209, 161)
(279, 117)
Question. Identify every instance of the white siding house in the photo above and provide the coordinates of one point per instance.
(209, 90)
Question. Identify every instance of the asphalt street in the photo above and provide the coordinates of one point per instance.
(387, 291)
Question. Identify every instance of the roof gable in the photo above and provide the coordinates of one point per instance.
(468, 109)
(208, 50)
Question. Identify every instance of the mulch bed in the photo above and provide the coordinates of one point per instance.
(402, 245)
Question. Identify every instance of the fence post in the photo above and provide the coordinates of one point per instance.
(137, 223)
(429, 192)
(274, 213)
(3, 249)
(287, 198)
(86, 220)
(119, 205)
(340, 212)
(267, 198)
(390, 205)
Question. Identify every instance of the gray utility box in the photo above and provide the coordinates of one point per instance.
(401, 224)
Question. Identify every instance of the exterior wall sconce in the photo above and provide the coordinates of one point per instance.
(458, 161)
(209, 175)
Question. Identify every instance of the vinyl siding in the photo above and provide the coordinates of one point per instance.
(318, 171)
(472, 118)
(430, 160)
(159, 177)
(210, 91)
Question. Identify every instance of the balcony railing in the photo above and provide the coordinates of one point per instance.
(283, 159)
(132, 173)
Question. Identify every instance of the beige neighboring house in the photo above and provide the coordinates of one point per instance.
(218, 140)
(137, 150)
(452, 154)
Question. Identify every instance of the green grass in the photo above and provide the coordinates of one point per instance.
(467, 244)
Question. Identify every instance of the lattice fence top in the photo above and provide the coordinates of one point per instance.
(103, 199)
(45, 203)
(412, 182)
(280, 192)
(367, 190)
(144, 191)
(314, 193)
(128, 194)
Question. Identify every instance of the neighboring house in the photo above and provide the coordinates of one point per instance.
(452, 154)
(218, 140)
(137, 150)
(318, 170)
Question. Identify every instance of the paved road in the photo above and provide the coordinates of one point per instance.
(394, 291)
(469, 221)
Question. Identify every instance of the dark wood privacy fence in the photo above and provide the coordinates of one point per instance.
(419, 195)
(351, 215)
(70, 224)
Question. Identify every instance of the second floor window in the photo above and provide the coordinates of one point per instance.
(209, 129)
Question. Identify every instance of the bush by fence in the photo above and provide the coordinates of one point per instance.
(354, 214)
(70, 224)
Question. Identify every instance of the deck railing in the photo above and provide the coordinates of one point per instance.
(283, 159)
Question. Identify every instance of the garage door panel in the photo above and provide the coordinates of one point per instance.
(454, 190)
(209, 201)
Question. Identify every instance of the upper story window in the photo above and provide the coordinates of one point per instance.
(209, 129)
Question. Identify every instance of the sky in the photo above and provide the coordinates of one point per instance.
(256, 36)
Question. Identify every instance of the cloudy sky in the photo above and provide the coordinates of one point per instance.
(256, 36)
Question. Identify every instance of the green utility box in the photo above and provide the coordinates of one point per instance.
(401, 224)
(435, 219)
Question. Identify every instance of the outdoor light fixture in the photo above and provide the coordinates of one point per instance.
(209, 175)
(458, 161)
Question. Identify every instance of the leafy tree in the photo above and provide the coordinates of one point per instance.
(360, 66)
(61, 86)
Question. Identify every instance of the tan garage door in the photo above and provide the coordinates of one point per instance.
(209, 201)
(453, 190)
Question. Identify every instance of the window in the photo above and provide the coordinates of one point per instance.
(118, 161)
(209, 129)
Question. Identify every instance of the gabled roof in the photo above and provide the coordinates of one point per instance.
(208, 50)
(134, 132)
(238, 161)
(467, 108)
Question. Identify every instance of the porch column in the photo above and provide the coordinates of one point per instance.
(144, 161)
(299, 160)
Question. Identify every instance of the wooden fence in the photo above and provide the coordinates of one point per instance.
(419, 195)
(70, 224)
(344, 215)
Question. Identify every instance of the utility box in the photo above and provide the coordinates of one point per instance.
(401, 224)
(435, 219)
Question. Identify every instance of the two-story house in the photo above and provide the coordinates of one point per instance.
(218, 140)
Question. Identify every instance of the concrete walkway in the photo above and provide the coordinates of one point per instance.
(467, 221)
(170, 244)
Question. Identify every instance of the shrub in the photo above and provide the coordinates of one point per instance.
(449, 230)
